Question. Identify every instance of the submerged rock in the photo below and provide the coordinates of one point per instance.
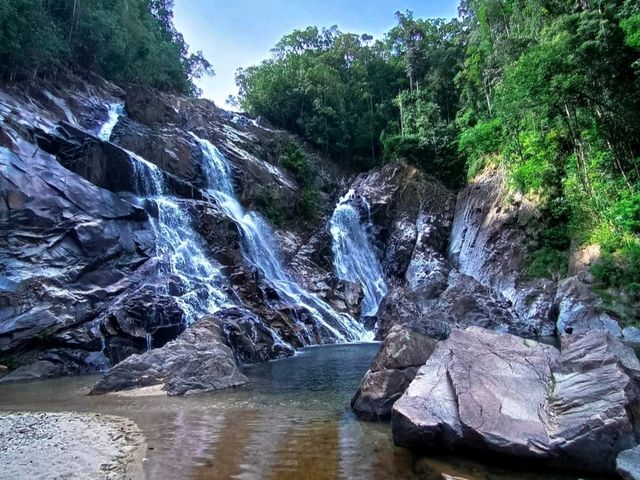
(482, 390)
(393, 369)
(196, 362)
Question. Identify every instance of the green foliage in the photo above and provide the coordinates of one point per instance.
(547, 263)
(551, 88)
(294, 160)
(307, 206)
(620, 269)
(631, 27)
(123, 40)
(346, 94)
(270, 205)
(479, 142)
(10, 361)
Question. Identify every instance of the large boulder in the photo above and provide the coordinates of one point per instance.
(485, 391)
(404, 351)
(465, 302)
(196, 362)
(249, 336)
(578, 308)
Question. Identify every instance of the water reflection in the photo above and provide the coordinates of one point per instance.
(293, 422)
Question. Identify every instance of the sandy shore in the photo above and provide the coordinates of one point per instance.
(70, 446)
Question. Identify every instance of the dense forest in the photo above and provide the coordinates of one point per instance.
(548, 90)
(126, 41)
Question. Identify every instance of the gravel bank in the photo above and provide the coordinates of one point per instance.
(69, 446)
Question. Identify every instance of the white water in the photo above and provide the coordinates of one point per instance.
(179, 248)
(353, 256)
(116, 110)
(260, 250)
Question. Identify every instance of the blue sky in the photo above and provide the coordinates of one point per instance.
(239, 33)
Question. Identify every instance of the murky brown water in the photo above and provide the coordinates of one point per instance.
(293, 422)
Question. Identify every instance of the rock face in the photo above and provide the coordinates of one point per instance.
(196, 362)
(85, 278)
(493, 232)
(481, 390)
(577, 309)
(393, 369)
(490, 238)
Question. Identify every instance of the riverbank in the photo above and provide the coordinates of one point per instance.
(70, 445)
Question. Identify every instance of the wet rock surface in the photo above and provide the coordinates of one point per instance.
(578, 309)
(198, 361)
(404, 351)
(628, 464)
(85, 284)
(486, 391)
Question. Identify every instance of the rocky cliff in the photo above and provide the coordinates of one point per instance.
(115, 242)
(131, 215)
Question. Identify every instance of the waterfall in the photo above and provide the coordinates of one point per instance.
(353, 255)
(179, 248)
(116, 110)
(260, 250)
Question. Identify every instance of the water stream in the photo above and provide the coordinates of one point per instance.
(353, 255)
(116, 110)
(179, 249)
(260, 250)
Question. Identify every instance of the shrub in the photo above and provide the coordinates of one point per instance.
(270, 205)
(478, 142)
(620, 269)
(293, 159)
(547, 263)
(307, 207)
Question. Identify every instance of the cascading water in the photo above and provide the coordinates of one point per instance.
(116, 110)
(260, 250)
(179, 249)
(353, 256)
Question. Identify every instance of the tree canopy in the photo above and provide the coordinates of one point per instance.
(352, 96)
(547, 89)
(123, 40)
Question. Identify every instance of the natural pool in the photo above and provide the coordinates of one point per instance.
(292, 422)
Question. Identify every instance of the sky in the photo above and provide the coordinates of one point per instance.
(240, 33)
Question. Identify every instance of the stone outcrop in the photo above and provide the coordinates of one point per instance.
(493, 233)
(70, 248)
(491, 236)
(485, 391)
(578, 308)
(196, 362)
(404, 351)
(251, 340)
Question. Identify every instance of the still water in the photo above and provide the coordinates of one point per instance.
(292, 422)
